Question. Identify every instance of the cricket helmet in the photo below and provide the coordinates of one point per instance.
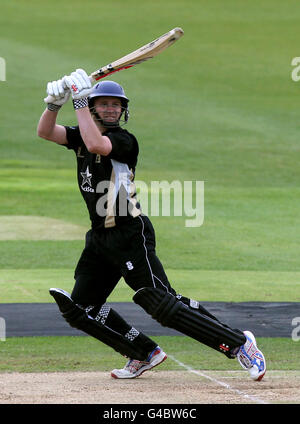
(109, 89)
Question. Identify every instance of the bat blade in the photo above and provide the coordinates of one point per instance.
(146, 52)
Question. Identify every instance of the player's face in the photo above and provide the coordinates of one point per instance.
(109, 109)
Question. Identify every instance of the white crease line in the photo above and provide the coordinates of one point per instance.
(220, 383)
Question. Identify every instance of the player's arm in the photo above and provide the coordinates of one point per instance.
(49, 130)
(80, 87)
(93, 139)
(47, 126)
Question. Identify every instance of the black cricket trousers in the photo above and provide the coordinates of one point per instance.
(126, 250)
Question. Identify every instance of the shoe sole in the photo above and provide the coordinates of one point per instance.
(260, 377)
(138, 375)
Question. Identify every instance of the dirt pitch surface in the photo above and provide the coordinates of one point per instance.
(154, 387)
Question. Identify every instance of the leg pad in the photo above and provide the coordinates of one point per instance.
(78, 318)
(171, 312)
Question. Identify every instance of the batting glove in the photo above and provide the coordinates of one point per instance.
(59, 93)
(80, 86)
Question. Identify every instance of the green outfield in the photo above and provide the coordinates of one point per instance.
(46, 354)
(219, 106)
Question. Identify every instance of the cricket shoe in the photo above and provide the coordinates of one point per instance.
(251, 358)
(135, 368)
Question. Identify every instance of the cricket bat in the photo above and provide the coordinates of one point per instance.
(148, 51)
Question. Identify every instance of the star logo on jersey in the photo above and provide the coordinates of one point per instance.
(86, 179)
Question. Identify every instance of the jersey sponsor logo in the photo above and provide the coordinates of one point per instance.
(87, 179)
(88, 189)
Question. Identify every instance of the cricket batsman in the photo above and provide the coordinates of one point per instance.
(121, 240)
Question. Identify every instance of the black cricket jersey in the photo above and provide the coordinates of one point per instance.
(107, 182)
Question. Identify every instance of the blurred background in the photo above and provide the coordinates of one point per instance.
(218, 106)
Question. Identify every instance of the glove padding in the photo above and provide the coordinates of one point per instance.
(59, 91)
(79, 84)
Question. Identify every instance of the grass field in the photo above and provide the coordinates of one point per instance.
(64, 353)
(219, 106)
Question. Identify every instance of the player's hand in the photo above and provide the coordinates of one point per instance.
(79, 84)
(59, 91)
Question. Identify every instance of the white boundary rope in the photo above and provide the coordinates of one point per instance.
(220, 383)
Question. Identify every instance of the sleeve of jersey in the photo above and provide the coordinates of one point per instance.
(73, 137)
(124, 146)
